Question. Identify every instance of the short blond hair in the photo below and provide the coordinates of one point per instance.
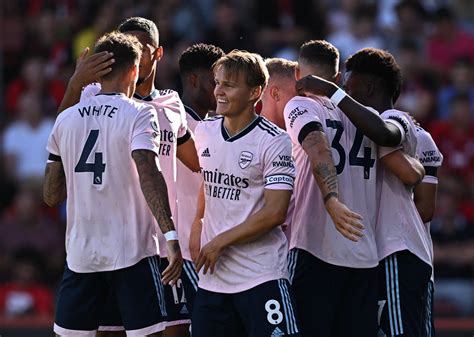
(281, 67)
(251, 65)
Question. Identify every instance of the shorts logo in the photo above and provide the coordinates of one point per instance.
(277, 332)
(245, 159)
(206, 153)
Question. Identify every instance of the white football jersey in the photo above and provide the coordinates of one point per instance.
(431, 159)
(188, 185)
(173, 130)
(109, 224)
(236, 171)
(399, 226)
(354, 156)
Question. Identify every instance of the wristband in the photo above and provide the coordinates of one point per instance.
(171, 235)
(337, 97)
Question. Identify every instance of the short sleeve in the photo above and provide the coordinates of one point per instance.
(301, 117)
(400, 120)
(146, 131)
(429, 156)
(52, 145)
(279, 168)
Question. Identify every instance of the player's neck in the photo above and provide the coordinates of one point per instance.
(235, 124)
(118, 86)
(193, 104)
(381, 104)
(145, 88)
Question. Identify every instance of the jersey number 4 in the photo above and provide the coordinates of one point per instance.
(354, 160)
(98, 166)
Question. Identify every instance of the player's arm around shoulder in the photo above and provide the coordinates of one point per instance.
(370, 123)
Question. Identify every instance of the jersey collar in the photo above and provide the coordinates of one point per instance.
(242, 133)
(151, 96)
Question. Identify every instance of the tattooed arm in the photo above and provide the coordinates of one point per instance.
(54, 185)
(317, 148)
(154, 189)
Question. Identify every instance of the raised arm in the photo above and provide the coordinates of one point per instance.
(319, 154)
(368, 122)
(154, 189)
(88, 69)
(54, 184)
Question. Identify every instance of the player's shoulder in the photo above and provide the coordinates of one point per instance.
(403, 118)
(268, 128)
(209, 123)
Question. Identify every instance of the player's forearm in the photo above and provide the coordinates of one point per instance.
(408, 169)
(54, 184)
(255, 226)
(154, 188)
(200, 204)
(71, 96)
(317, 148)
(187, 154)
(425, 200)
(370, 124)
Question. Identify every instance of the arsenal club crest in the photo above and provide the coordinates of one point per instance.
(245, 159)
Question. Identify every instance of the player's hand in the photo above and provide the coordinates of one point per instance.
(315, 85)
(173, 272)
(90, 68)
(346, 222)
(208, 255)
(195, 239)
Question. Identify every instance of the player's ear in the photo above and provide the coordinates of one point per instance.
(158, 53)
(338, 78)
(256, 93)
(274, 93)
(297, 72)
(193, 80)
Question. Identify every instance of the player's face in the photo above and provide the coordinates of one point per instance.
(205, 89)
(150, 54)
(353, 85)
(233, 95)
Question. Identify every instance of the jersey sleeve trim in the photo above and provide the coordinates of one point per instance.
(307, 129)
(184, 138)
(54, 158)
(430, 180)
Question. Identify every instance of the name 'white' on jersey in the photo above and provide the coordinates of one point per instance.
(354, 156)
(109, 224)
(236, 171)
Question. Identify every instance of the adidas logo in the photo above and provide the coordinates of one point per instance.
(277, 332)
(184, 310)
(205, 153)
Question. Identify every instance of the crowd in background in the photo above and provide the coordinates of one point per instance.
(432, 40)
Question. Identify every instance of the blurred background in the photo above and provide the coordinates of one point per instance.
(433, 41)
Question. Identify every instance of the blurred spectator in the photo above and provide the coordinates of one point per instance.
(453, 241)
(455, 138)
(24, 294)
(410, 24)
(26, 224)
(448, 42)
(362, 32)
(419, 83)
(24, 141)
(461, 82)
(228, 32)
(33, 79)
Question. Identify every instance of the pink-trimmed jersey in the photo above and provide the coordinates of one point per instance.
(312, 229)
(188, 185)
(173, 131)
(109, 224)
(236, 171)
(431, 158)
(399, 225)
